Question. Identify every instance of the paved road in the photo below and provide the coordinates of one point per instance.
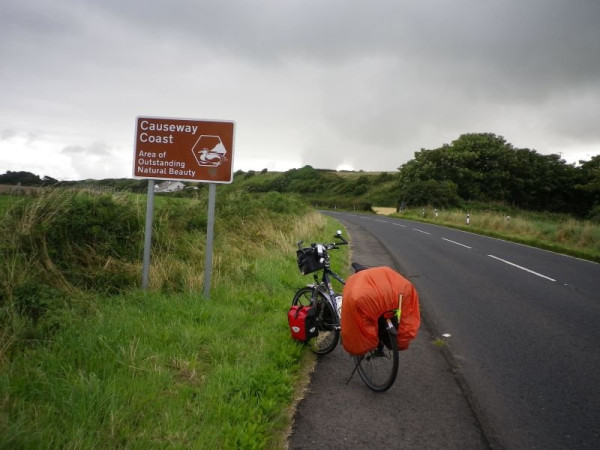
(525, 326)
(425, 409)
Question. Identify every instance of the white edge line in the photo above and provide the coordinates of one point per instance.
(457, 243)
(522, 268)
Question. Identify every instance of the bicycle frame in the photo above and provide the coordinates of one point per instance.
(325, 287)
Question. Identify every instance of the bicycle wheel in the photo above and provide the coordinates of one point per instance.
(378, 367)
(327, 321)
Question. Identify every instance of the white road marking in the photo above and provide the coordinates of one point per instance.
(400, 225)
(457, 243)
(522, 268)
(421, 231)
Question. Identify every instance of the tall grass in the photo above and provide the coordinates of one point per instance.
(555, 232)
(168, 368)
(5, 202)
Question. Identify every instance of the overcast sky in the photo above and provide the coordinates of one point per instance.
(338, 84)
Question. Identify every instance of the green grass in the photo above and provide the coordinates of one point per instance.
(559, 233)
(168, 368)
(5, 202)
(155, 371)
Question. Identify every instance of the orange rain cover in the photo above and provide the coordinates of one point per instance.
(366, 296)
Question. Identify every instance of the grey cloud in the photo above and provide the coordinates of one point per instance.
(95, 149)
(7, 134)
(387, 77)
(73, 150)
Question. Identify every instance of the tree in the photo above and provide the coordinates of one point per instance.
(484, 167)
(441, 194)
(589, 187)
(25, 178)
(49, 181)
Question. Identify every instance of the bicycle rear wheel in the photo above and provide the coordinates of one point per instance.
(378, 367)
(327, 320)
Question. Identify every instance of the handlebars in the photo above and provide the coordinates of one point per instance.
(334, 245)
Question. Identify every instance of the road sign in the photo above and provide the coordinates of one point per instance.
(183, 149)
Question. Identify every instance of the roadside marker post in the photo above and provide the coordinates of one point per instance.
(183, 150)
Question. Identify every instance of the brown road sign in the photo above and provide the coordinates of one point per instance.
(183, 149)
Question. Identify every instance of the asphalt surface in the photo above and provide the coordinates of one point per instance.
(428, 407)
(524, 325)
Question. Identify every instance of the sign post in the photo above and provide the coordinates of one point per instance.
(148, 234)
(209, 238)
(183, 150)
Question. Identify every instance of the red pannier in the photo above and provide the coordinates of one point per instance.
(367, 295)
(303, 323)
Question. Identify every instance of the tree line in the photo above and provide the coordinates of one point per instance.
(478, 167)
(24, 178)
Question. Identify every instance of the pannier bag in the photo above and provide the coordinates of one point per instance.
(303, 322)
(370, 293)
(309, 260)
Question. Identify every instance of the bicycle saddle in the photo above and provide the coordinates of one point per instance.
(358, 267)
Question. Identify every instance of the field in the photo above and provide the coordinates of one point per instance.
(10, 189)
(384, 210)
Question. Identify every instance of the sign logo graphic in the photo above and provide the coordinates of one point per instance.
(209, 151)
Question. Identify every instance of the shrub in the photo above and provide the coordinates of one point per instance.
(594, 214)
(77, 239)
(441, 194)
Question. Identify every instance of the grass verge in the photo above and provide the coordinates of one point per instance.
(558, 233)
(168, 369)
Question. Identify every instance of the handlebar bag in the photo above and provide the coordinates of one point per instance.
(308, 260)
(368, 295)
(303, 322)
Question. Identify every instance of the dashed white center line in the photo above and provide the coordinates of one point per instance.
(457, 243)
(522, 268)
(400, 225)
(421, 231)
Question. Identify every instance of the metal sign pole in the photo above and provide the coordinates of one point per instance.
(209, 238)
(148, 235)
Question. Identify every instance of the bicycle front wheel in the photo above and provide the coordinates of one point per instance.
(327, 320)
(378, 368)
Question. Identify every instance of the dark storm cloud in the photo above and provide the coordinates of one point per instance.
(533, 40)
(384, 78)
